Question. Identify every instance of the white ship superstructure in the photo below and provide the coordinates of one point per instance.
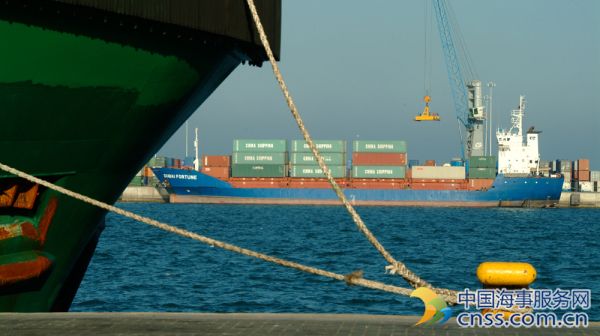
(515, 154)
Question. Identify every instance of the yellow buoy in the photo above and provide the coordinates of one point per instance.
(501, 274)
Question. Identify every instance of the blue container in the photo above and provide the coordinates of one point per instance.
(412, 163)
(456, 163)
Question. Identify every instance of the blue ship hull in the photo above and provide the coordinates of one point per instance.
(188, 186)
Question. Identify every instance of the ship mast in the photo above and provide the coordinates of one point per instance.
(196, 145)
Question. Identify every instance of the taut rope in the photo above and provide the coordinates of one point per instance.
(395, 267)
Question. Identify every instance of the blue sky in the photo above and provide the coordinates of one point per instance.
(355, 70)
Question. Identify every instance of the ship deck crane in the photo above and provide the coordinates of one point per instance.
(466, 89)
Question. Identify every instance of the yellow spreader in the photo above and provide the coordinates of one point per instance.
(426, 115)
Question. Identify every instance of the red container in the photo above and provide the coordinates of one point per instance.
(379, 159)
(430, 163)
(309, 184)
(480, 184)
(583, 175)
(398, 184)
(216, 160)
(218, 172)
(176, 163)
(583, 164)
(259, 183)
(438, 186)
(148, 172)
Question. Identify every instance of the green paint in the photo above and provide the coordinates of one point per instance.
(379, 171)
(87, 114)
(258, 146)
(256, 170)
(324, 146)
(54, 59)
(316, 171)
(309, 158)
(379, 146)
(259, 158)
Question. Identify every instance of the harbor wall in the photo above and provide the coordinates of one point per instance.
(579, 199)
(144, 194)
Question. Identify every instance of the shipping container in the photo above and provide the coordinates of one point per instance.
(137, 181)
(379, 146)
(586, 186)
(480, 184)
(378, 171)
(378, 159)
(218, 172)
(324, 146)
(564, 166)
(483, 162)
(583, 175)
(482, 173)
(259, 158)
(316, 171)
(259, 183)
(457, 163)
(438, 186)
(433, 172)
(412, 163)
(260, 146)
(379, 184)
(257, 170)
(158, 161)
(216, 160)
(567, 176)
(554, 166)
(309, 159)
(430, 163)
(583, 164)
(595, 175)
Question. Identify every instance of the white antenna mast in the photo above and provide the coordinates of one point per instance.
(196, 145)
(187, 137)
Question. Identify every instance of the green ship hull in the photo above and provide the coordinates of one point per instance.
(87, 95)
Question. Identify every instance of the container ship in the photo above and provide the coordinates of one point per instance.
(82, 85)
(375, 173)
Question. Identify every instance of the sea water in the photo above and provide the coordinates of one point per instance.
(141, 268)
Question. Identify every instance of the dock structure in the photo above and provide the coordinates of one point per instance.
(579, 199)
(66, 324)
(144, 194)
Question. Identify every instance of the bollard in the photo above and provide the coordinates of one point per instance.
(509, 275)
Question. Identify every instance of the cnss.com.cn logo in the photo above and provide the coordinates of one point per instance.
(436, 310)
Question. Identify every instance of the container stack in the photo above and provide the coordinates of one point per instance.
(259, 158)
(159, 162)
(483, 167)
(218, 166)
(581, 170)
(595, 179)
(482, 171)
(581, 174)
(303, 163)
(379, 159)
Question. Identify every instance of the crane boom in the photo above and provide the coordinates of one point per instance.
(467, 96)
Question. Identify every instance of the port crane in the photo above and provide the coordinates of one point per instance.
(466, 89)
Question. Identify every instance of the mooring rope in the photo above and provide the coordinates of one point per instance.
(395, 266)
(354, 278)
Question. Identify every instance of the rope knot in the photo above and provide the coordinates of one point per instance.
(395, 268)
